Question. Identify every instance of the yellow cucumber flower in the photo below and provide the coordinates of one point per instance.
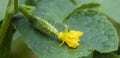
(71, 38)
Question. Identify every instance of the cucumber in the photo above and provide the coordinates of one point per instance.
(42, 25)
(39, 23)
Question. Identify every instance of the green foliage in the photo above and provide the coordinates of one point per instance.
(96, 28)
(100, 23)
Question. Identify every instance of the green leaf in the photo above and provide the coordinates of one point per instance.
(3, 6)
(99, 34)
(6, 43)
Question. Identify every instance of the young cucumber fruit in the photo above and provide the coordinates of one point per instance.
(39, 23)
(43, 25)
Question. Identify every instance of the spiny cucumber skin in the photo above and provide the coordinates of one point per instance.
(42, 25)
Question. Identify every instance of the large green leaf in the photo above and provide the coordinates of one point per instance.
(45, 46)
(99, 34)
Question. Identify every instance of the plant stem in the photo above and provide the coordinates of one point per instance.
(5, 46)
(15, 6)
(25, 11)
(7, 18)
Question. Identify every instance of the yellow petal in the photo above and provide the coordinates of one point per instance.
(72, 44)
(72, 38)
(76, 33)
